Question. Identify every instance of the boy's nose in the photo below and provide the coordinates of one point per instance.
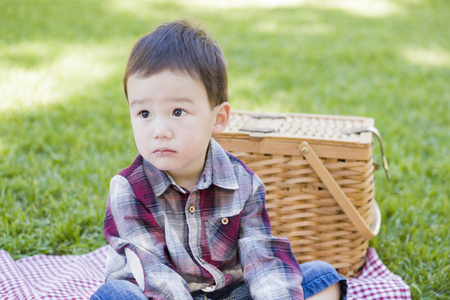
(162, 131)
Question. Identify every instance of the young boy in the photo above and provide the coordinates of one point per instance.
(187, 220)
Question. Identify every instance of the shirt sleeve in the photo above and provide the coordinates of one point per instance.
(137, 246)
(269, 265)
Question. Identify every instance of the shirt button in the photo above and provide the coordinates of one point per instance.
(192, 209)
(225, 221)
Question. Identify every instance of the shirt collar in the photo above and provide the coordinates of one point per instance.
(218, 170)
(159, 180)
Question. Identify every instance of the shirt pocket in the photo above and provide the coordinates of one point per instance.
(222, 235)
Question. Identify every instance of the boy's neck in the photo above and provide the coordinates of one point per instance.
(189, 177)
(187, 182)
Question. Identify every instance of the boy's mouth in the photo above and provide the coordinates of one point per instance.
(164, 152)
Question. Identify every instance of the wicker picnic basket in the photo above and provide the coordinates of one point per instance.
(318, 173)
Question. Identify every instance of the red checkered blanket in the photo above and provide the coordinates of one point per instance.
(78, 276)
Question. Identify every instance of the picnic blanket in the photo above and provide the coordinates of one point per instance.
(78, 276)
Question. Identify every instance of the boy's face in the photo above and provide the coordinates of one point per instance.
(173, 122)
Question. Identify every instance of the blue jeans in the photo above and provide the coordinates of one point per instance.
(317, 276)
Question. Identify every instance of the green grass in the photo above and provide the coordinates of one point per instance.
(64, 129)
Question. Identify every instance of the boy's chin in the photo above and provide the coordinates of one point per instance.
(163, 166)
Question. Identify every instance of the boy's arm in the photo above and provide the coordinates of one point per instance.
(138, 251)
(269, 265)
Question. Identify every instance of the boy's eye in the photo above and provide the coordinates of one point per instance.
(144, 114)
(178, 112)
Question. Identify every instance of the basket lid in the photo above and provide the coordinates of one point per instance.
(298, 126)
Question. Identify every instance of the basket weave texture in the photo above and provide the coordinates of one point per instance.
(300, 206)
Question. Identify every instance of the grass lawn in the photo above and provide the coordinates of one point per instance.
(64, 128)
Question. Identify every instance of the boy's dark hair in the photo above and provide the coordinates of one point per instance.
(179, 46)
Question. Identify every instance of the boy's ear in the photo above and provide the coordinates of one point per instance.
(222, 116)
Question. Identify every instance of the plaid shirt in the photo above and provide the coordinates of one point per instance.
(172, 242)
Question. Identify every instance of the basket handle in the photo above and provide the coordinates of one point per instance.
(378, 135)
(338, 194)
